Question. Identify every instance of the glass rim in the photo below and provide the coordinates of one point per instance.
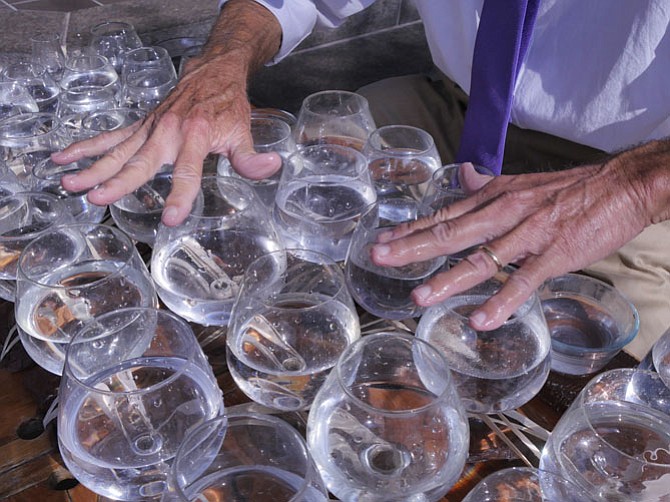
(407, 337)
(118, 233)
(438, 174)
(118, 204)
(103, 62)
(240, 184)
(25, 118)
(107, 315)
(580, 401)
(275, 120)
(422, 133)
(157, 50)
(531, 472)
(361, 100)
(622, 340)
(278, 113)
(121, 112)
(531, 303)
(227, 421)
(656, 351)
(122, 27)
(50, 198)
(92, 90)
(45, 36)
(360, 160)
(39, 70)
(325, 261)
(42, 172)
(422, 208)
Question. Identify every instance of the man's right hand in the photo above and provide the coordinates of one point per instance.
(207, 112)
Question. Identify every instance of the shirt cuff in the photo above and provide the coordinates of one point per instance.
(297, 19)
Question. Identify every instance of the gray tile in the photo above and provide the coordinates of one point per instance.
(8, 58)
(154, 20)
(380, 15)
(17, 28)
(347, 65)
(55, 5)
(408, 12)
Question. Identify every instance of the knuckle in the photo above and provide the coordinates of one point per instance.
(186, 173)
(443, 232)
(119, 154)
(169, 120)
(521, 283)
(512, 197)
(138, 162)
(480, 262)
(444, 213)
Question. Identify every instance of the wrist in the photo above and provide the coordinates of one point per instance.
(246, 35)
(645, 171)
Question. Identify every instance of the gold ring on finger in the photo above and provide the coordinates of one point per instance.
(489, 252)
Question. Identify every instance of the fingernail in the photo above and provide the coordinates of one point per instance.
(170, 214)
(382, 250)
(422, 293)
(384, 236)
(478, 318)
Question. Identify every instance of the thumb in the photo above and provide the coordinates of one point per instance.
(255, 166)
(470, 179)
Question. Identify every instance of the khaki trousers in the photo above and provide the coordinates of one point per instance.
(640, 269)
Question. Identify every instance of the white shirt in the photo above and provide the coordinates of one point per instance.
(596, 72)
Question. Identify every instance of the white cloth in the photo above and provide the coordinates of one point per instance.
(597, 72)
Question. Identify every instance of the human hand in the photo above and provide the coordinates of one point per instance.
(199, 117)
(207, 112)
(548, 224)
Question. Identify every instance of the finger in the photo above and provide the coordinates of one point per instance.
(521, 185)
(130, 164)
(455, 235)
(102, 173)
(131, 176)
(470, 179)
(256, 166)
(187, 174)
(105, 167)
(250, 164)
(411, 227)
(475, 268)
(94, 146)
(520, 286)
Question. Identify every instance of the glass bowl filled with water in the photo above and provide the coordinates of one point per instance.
(589, 321)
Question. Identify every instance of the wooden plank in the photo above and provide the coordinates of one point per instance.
(37, 471)
(43, 492)
(17, 403)
(20, 451)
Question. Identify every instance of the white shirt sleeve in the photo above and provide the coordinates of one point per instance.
(299, 17)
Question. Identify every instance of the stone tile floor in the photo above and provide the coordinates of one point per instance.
(52, 5)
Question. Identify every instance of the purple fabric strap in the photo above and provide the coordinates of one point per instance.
(504, 31)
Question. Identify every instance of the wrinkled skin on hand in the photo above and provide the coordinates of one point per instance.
(548, 224)
(208, 111)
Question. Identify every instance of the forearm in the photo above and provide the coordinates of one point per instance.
(646, 169)
(246, 36)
